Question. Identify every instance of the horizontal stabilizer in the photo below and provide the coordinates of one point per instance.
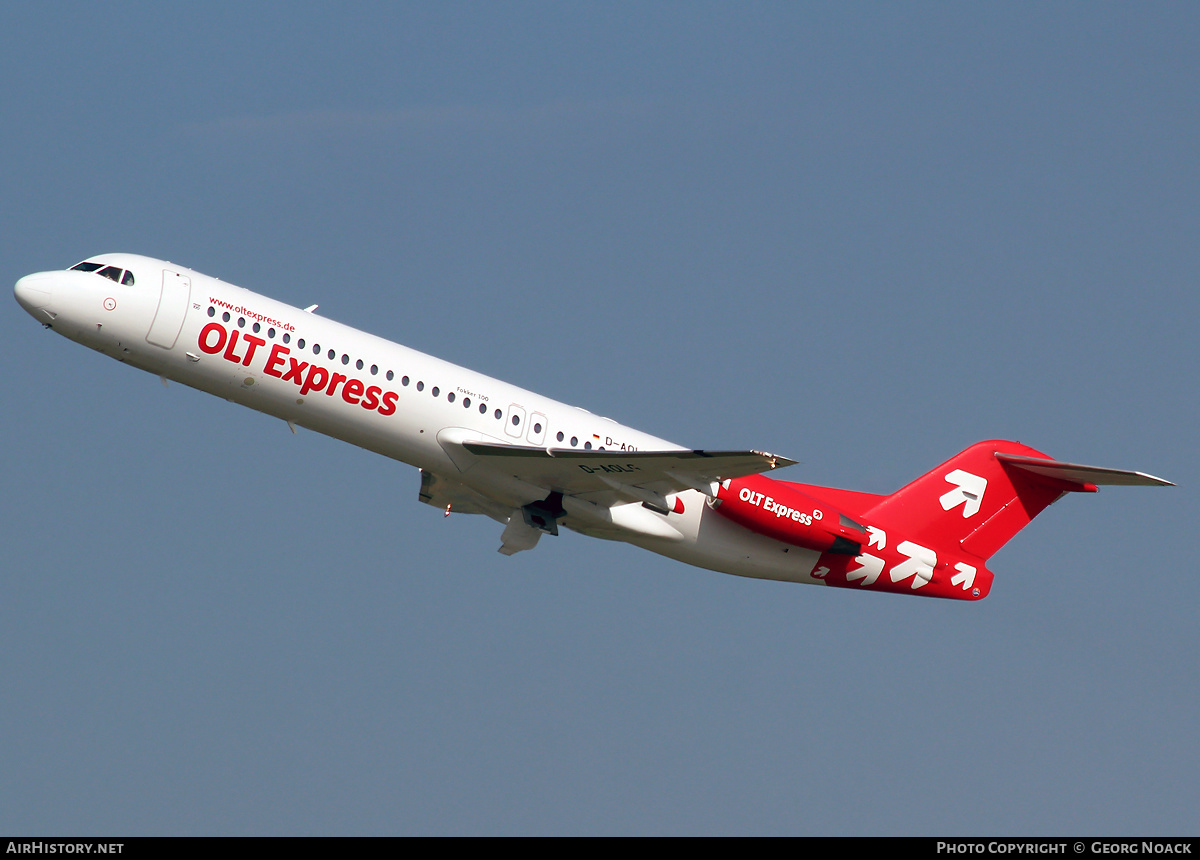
(1088, 477)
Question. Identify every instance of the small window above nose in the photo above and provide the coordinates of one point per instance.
(112, 273)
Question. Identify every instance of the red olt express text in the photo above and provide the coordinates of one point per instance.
(241, 348)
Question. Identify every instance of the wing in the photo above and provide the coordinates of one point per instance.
(449, 495)
(610, 494)
(645, 476)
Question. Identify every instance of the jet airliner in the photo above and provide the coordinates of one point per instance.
(536, 465)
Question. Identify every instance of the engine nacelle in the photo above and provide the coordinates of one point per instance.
(779, 511)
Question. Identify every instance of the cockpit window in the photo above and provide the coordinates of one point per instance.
(113, 273)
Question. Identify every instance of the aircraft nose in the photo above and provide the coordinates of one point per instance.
(34, 292)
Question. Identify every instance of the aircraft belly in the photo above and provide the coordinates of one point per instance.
(743, 558)
(710, 541)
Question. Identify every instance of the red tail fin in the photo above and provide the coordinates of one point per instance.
(972, 500)
(985, 495)
(933, 536)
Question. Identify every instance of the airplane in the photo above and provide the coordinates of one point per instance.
(536, 465)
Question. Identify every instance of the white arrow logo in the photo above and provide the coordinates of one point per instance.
(964, 577)
(968, 492)
(872, 566)
(920, 564)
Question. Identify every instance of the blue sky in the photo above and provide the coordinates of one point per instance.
(862, 236)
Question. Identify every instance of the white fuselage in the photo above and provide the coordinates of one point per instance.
(328, 377)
